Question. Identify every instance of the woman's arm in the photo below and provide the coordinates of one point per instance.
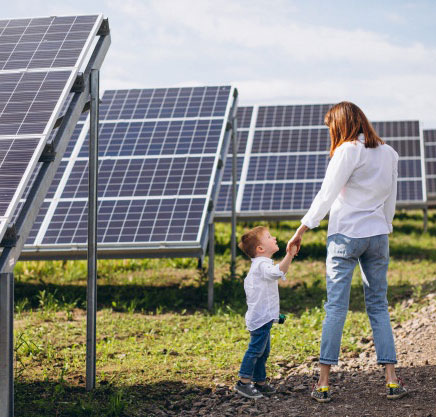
(338, 172)
(296, 239)
(389, 205)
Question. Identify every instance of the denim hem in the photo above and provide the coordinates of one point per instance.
(386, 361)
(245, 376)
(328, 361)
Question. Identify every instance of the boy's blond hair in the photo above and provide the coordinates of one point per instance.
(251, 240)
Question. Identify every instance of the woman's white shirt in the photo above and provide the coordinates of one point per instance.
(359, 189)
(262, 291)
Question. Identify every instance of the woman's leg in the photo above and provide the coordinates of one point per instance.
(374, 265)
(340, 264)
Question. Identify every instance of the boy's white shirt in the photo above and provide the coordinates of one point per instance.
(262, 291)
(359, 190)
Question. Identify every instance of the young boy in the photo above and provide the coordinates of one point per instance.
(262, 291)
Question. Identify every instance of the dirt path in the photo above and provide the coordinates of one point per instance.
(357, 383)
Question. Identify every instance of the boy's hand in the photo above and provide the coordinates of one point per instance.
(292, 250)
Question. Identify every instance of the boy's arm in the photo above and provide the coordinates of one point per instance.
(274, 272)
(286, 261)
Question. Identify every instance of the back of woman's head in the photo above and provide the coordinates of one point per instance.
(346, 122)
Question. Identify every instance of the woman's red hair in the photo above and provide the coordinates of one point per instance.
(346, 122)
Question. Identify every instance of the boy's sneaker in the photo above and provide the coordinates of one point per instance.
(247, 390)
(395, 390)
(265, 388)
(321, 394)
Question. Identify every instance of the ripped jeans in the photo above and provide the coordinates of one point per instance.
(343, 254)
(253, 364)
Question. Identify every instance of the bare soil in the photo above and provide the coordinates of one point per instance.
(357, 383)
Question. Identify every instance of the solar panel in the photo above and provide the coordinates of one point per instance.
(430, 162)
(159, 151)
(245, 119)
(39, 61)
(286, 156)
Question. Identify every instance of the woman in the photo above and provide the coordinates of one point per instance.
(359, 189)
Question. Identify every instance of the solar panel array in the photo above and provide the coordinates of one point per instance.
(158, 156)
(430, 162)
(286, 156)
(39, 60)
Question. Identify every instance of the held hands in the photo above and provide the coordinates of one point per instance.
(292, 250)
(295, 241)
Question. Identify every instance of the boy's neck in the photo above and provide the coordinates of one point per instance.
(263, 255)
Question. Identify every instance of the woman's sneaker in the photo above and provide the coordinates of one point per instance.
(321, 394)
(395, 390)
(247, 390)
(265, 388)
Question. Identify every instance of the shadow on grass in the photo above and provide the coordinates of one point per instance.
(43, 399)
(175, 298)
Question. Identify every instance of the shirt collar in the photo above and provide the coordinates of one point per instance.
(261, 258)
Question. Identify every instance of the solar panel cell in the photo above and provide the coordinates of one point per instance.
(28, 110)
(396, 129)
(15, 155)
(301, 140)
(43, 42)
(157, 138)
(165, 103)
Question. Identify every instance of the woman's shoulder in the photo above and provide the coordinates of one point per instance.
(389, 149)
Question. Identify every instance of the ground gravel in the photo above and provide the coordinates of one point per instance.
(358, 388)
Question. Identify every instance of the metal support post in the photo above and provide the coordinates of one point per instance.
(425, 215)
(7, 345)
(234, 179)
(211, 268)
(92, 234)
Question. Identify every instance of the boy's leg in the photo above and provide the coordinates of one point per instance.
(341, 261)
(374, 265)
(259, 374)
(258, 341)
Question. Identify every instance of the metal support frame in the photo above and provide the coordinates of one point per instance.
(91, 300)
(234, 195)
(6, 345)
(211, 267)
(425, 217)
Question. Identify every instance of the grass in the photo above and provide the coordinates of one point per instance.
(155, 338)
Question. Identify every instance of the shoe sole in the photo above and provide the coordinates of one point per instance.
(396, 397)
(266, 393)
(248, 396)
(321, 400)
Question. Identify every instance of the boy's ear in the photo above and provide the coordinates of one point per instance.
(260, 248)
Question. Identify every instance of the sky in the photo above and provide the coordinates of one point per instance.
(379, 54)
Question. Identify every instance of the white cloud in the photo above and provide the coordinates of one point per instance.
(270, 55)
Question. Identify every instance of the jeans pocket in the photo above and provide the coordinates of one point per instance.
(339, 245)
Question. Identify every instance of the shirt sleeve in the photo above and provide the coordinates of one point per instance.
(338, 172)
(389, 205)
(271, 272)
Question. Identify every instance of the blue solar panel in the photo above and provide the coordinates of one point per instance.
(157, 167)
(430, 162)
(287, 157)
(163, 103)
(39, 60)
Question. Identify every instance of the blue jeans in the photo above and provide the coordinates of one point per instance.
(253, 364)
(372, 254)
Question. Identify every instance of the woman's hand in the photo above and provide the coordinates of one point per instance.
(297, 238)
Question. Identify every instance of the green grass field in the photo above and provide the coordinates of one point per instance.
(156, 341)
